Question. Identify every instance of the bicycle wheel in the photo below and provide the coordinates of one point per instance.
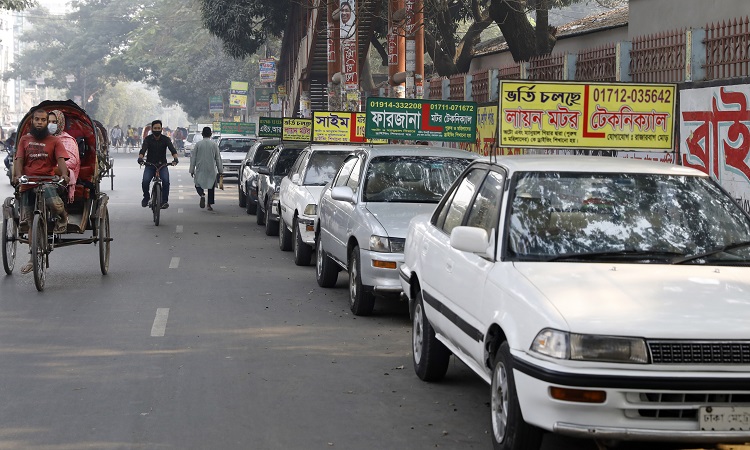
(103, 241)
(10, 234)
(39, 250)
(156, 202)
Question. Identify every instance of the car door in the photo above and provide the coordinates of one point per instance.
(327, 209)
(344, 221)
(289, 194)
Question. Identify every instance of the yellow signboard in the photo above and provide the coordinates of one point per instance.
(343, 127)
(296, 129)
(617, 116)
(238, 94)
(487, 126)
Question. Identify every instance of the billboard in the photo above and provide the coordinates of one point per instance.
(427, 120)
(267, 70)
(269, 127)
(296, 129)
(343, 127)
(616, 116)
(238, 94)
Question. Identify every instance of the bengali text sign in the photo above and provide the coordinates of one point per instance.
(343, 127)
(269, 127)
(238, 128)
(296, 129)
(586, 115)
(425, 120)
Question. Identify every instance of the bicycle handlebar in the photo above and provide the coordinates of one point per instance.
(146, 163)
(41, 179)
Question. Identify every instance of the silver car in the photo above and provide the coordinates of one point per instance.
(233, 150)
(365, 211)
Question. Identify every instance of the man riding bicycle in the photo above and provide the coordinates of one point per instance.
(40, 154)
(154, 149)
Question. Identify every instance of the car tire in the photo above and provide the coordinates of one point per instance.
(260, 215)
(326, 270)
(430, 356)
(285, 237)
(361, 300)
(272, 226)
(509, 430)
(241, 195)
(302, 251)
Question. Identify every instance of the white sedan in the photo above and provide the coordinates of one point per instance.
(299, 195)
(601, 298)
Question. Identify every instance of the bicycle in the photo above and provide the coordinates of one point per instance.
(156, 188)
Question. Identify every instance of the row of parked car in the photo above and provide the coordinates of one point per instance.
(600, 298)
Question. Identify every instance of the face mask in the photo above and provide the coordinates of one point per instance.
(157, 133)
(52, 127)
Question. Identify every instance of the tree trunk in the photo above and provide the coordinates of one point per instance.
(520, 35)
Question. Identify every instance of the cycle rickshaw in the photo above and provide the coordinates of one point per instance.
(87, 212)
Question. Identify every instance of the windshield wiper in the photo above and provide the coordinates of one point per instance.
(715, 251)
(640, 254)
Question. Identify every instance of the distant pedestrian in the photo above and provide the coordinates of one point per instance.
(205, 166)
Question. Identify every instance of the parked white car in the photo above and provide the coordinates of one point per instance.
(299, 195)
(233, 149)
(364, 212)
(601, 298)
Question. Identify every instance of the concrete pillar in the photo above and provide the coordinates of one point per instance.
(569, 68)
(695, 55)
(494, 84)
(622, 61)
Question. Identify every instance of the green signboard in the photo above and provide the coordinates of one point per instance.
(238, 128)
(422, 120)
(269, 127)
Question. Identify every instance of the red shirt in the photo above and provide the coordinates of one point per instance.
(40, 157)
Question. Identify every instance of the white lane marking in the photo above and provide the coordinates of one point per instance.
(180, 210)
(174, 263)
(159, 328)
(181, 191)
(179, 229)
(181, 197)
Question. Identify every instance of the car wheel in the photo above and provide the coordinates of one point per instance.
(260, 215)
(509, 430)
(326, 270)
(285, 237)
(430, 356)
(241, 195)
(361, 301)
(302, 251)
(272, 226)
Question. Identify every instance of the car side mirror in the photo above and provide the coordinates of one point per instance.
(344, 194)
(470, 239)
(295, 178)
(248, 163)
(263, 170)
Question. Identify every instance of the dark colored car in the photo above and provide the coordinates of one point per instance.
(247, 182)
(269, 183)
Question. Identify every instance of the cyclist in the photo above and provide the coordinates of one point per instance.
(154, 149)
(40, 154)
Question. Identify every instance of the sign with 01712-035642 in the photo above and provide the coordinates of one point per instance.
(724, 418)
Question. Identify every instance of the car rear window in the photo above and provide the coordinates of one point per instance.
(235, 145)
(322, 167)
(262, 154)
(411, 179)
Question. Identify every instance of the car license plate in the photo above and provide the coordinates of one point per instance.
(724, 418)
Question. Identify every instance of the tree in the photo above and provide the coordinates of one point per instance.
(16, 5)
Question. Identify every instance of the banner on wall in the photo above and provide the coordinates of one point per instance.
(616, 116)
(715, 138)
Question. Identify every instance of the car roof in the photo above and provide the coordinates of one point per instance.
(417, 150)
(237, 136)
(597, 164)
(333, 147)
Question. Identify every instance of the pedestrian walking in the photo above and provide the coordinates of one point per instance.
(205, 167)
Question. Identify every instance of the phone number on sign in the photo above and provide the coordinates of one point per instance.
(633, 95)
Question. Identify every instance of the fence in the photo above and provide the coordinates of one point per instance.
(728, 49)
(597, 64)
(658, 58)
(547, 67)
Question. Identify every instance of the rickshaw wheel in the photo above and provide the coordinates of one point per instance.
(102, 230)
(39, 251)
(10, 244)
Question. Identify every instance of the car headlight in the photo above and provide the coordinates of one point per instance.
(225, 161)
(380, 244)
(311, 209)
(589, 347)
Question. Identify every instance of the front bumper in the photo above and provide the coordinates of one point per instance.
(385, 281)
(306, 225)
(231, 169)
(640, 405)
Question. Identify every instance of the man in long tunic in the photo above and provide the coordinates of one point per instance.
(205, 165)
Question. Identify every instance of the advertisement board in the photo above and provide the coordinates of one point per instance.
(426, 120)
(296, 129)
(270, 127)
(627, 116)
(343, 127)
(267, 70)
(263, 99)
(238, 94)
(238, 128)
(215, 104)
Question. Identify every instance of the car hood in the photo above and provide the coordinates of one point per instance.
(395, 217)
(647, 300)
(313, 193)
(232, 156)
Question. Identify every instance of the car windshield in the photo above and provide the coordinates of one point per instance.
(411, 179)
(625, 217)
(235, 145)
(322, 167)
(263, 154)
(286, 160)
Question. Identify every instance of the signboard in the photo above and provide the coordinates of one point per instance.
(238, 128)
(613, 116)
(263, 99)
(425, 120)
(487, 128)
(238, 94)
(344, 127)
(296, 129)
(348, 35)
(215, 104)
(267, 70)
(715, 136)
(270, 127)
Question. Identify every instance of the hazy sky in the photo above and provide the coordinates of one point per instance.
(55, 6)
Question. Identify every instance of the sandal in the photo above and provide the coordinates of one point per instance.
(27, 268)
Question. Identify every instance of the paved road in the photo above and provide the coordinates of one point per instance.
(205, 336)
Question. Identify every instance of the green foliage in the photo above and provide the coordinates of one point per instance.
(16, 5)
